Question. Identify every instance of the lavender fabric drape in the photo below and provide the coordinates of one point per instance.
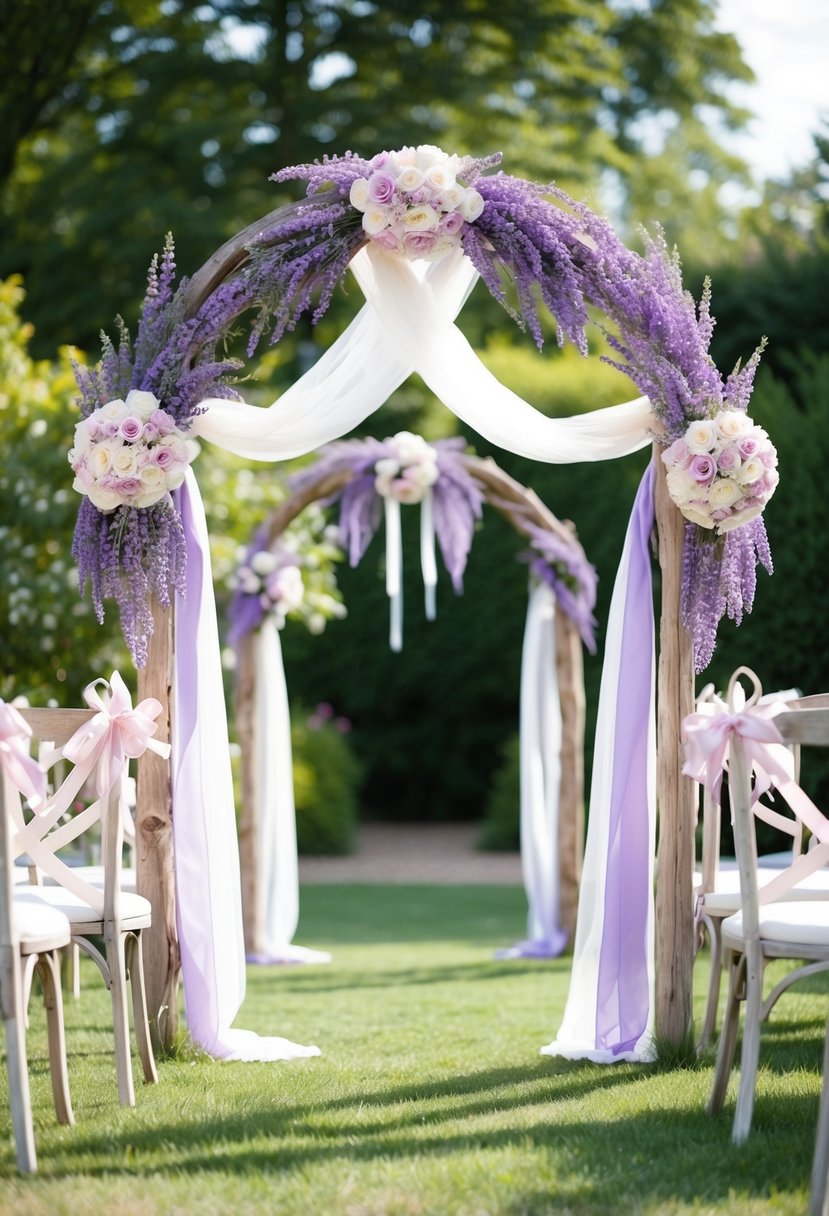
(610, 1003)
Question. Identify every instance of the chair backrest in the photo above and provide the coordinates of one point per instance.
(805, 724)
(49, 830)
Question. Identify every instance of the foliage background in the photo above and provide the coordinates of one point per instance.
(123, 119)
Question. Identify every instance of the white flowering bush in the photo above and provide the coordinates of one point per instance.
(413, 204)
(722, 471)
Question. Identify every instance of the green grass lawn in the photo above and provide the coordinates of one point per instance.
(430, 1096)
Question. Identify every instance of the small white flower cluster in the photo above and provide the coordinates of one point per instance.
(277, 581)
(413, 204)
(409, 470)
(722, 472)
(129, 453)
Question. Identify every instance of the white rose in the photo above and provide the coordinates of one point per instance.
(99, 461)
(358, 194)
(375, 219)
(405, 156)
(263, 562)
(733, 423)
(723, 493)
(439, 177)
(697, 517)
(409, 179)
(681, 487)
(152, 477)
(141, 404)
(124, 461)
(424, 474)
(740, 517)
(113, 411)
(752, 470)
(175, 477)
(82, 441)
(383, 483)
(430, 154)
(701, 437)
(421, 219)
(387, 467)
(149, 496)
(472, 204)
(452, 197)
(104, 500)
(409, 448)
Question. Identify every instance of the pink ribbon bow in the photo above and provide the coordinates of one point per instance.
(19, 766)
(116, 733)
(706, 738)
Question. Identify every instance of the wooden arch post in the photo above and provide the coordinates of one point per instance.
(521, 507)
(675, 794)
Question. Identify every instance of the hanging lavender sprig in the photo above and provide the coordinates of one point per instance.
(564, 567)
(458, 504)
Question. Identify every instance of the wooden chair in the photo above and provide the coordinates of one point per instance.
(786, 929)
(717, 881)
(31, 936)
(94, 912)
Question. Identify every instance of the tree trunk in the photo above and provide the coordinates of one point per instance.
(675, 793)
(154, 843)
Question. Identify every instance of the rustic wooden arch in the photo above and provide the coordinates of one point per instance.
(523, 509)
(674, 929)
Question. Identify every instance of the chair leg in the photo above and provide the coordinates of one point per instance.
(135, 963)
(72, 960)
(19, 1097)
(728, 1033)
(120, 1017)
(709, 1023)
(750, 1054)
(48, 968)
(820, 1165)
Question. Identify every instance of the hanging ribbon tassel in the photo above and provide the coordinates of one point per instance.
(428, 564)
(394, 572)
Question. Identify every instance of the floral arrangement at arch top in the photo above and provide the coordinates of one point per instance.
(565, 569)
(402, 467)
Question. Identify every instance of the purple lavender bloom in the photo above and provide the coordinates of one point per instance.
(564, 567)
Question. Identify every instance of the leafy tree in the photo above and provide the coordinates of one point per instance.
(168, 115)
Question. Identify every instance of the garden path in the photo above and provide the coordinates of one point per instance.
(442, 853)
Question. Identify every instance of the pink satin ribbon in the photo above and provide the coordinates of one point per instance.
(707, 736)
(116, 734)
(19, 766)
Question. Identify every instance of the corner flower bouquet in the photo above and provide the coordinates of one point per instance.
(722, 472)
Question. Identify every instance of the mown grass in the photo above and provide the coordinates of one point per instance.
(430, 1097)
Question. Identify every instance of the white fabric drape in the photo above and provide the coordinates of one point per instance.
(540, 764)
(576, 1038)
(406, 325)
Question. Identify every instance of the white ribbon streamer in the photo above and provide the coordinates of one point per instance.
(428, 564)
(394, 571)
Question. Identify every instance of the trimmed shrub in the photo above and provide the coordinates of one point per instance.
(326, 784)
(501, 825)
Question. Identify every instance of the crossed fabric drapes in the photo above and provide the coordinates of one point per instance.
(406, 325)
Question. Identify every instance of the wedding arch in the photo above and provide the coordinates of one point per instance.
(450, 485)
(417, 228)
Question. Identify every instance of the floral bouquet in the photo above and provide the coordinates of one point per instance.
(409, 470)
(413, 203)
(129, 453)
(722, 472)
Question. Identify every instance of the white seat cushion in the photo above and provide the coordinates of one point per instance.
(94, 875)
(725, 899)
(795, 921)
(78, 912)
(37, 925)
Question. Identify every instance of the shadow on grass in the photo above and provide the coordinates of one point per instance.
(604, 1164)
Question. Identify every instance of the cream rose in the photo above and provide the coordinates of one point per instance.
(732, 423)
(375, 219)
(124, 462)
(141, 404)
(358, 194)
(99, 460)
(751, 470)
(701, 437)
(723, 493)
(681, 487)
(421, 219)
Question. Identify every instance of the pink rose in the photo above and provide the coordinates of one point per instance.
(419, 244)
(703, 469)
(131, 428)
(381, 188)
(451, 223)
(749, 446)
(677, 454)
(162, 422)
(110, 428)
(164, 457)
(728, 460)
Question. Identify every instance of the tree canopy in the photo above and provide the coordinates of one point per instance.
(123, 119)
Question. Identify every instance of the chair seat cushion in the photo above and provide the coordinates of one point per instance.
(803, 921)
(94, 875)
(38, 926)
(136, 911)
(725, 899)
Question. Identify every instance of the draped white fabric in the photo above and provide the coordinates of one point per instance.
(406, 325)
(208, 886)
(540, 764)
(576, 1038)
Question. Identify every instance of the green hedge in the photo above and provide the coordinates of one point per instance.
(326, 785)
